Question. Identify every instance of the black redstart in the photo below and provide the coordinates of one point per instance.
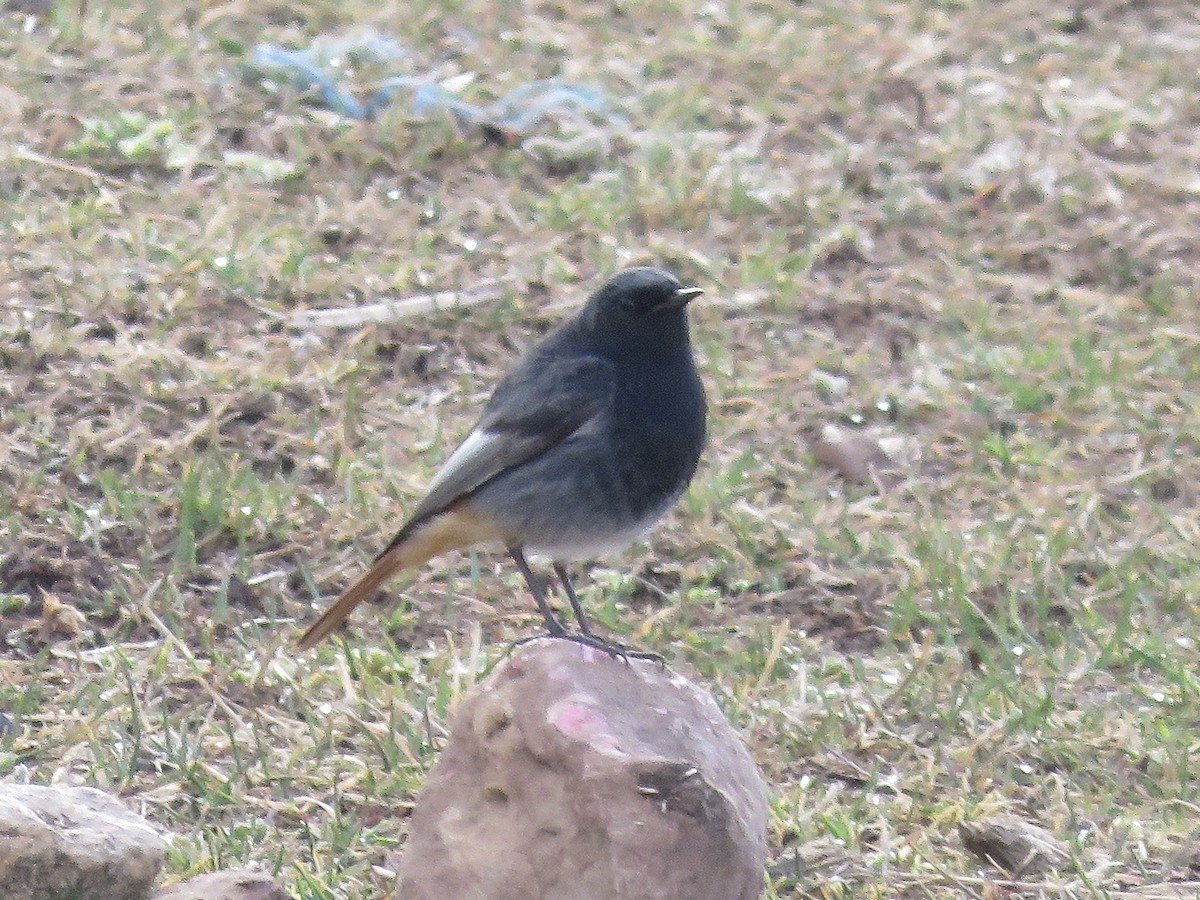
(580, 450)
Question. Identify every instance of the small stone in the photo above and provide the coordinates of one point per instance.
(559, 156)
(74, 842)
(1019, 847)
(571, 774)
(233, 884)
(851, 454)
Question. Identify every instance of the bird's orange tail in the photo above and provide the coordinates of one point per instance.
(457, 527)
(386, 566)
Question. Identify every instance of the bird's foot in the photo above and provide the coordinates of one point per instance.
(588, 639)
(612, 648)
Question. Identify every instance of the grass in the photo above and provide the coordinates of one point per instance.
(968, 228)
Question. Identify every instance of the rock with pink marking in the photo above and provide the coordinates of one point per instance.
(570, 774)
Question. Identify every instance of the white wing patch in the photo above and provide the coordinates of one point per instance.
(475, 444)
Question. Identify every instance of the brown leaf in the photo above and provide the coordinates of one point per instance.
(60, 618)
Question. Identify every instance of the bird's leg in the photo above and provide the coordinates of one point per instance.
(553, 625)
(589, 637)
(556, 628)
(561, 571)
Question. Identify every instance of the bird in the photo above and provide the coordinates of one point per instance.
(580, 450)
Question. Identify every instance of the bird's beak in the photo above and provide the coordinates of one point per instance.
(682, 297)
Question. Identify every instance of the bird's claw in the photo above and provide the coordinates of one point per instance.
(587, 639)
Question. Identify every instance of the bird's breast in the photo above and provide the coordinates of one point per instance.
(660, 412)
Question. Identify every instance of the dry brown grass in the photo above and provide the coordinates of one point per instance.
(968, 228)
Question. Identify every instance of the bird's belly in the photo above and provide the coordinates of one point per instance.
(576, 543)
(569, 524)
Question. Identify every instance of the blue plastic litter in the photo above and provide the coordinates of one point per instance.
(517, 112)
(308, 74)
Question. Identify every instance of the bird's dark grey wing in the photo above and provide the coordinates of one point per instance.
(537, 406)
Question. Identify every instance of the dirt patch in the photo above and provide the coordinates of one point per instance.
(849, 619)
(70, 569)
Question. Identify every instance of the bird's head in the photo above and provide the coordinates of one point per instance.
(641, 302)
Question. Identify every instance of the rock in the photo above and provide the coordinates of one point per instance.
(74, 842)
(572, 774)
(1019, 847)
(234, 884)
